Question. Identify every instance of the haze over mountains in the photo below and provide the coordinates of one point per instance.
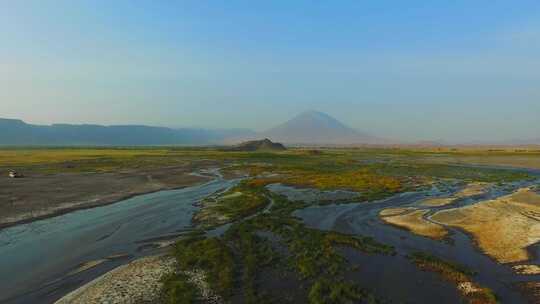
(314, 127)
(17, 132)
(308, 128)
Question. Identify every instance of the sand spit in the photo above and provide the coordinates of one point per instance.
(437, 202)
(87, 265)
(471, 189)
(395, 211)
(415, 222)
(136, 282)
(503, 228)
(527, 269)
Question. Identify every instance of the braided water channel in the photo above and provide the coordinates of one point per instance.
(38, 259)
(396, 278)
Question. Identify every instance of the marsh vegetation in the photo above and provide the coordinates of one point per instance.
(265, 247)
(457, 274)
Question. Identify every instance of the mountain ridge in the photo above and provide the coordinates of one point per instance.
(314, 127)
(308, 128)
(17, 132)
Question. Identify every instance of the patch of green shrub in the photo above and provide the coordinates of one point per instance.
(178, 290)
(213, 257)
(324, 291)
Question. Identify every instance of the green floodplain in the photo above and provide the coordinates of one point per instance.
(266, 240)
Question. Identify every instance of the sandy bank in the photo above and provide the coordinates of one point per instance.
(503, 228)
(136, 282)
(42, 196)
(414, 221)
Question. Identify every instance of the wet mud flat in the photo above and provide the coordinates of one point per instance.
(41, 261)
(395, 276)
(41, 195)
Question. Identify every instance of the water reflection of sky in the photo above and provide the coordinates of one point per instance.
(38, 252)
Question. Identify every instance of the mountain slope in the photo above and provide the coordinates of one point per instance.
(17, 132)
(314, 127)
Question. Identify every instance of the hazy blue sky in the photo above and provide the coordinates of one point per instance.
(454, 70)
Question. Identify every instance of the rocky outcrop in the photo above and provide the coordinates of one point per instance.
(258, 145)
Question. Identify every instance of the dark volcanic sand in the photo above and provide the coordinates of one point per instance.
(38, 196)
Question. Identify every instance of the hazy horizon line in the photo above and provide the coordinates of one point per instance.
(392, 141)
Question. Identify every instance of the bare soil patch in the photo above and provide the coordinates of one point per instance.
(395, 211)
(437, 202)
(503, 228)
(415, 222)
(527, 269)
(472, 189)
(136, 282)
(39, 195)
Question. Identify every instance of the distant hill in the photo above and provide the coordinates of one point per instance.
(17, 132)
(314, 127)
(258, 145)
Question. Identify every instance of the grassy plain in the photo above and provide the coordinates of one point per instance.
(428, 162)
(121, 172)
(96, 176)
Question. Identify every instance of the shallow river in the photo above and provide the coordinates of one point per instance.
(395, 277)
(35, 258)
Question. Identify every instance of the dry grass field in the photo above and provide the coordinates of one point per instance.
(508, 157)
